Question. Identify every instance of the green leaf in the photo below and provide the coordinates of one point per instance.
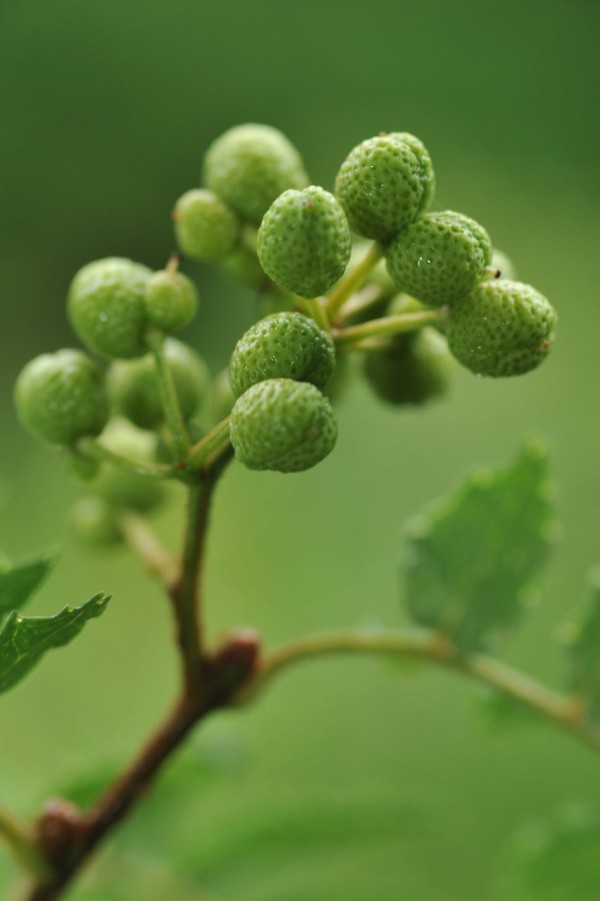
(24, 640)
(470, 564)
(20, 578)
(584, 652)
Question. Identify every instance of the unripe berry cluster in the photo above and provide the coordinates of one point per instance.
(418, 288)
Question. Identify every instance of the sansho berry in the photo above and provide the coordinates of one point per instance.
(411, 369)
(107, 309)
(502, 328)
(171, 300)
(440, 257)
(384, 183)
(282, 425)
(249, 166)
(304, 241)
(282, 345)
(205, 227)
(61, 397)
(120, 487)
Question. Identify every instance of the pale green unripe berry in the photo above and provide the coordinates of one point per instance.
(221, 399)
(134, 387)
(304, 241)
(118, 486)
(282, 425)
(502, 328)
(412, 369)
(61, 397)
(282, 345)
(384, 183)
(205, 227)
(439, 258)
(171, 300)
(96, 522)
(249, 166)
(242, 263)
(106, 306)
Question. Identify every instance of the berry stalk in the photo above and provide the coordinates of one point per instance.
(352, 281)
(353, 335)
(179, 436)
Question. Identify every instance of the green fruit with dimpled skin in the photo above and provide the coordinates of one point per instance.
(282, 345)
(502, 328)
(249, 166)
(205, 228)
(61, 397)
(107, 309)
(439, 258)
(411, 370)
(304, 241)
(171, 300)
(384, 183)
(282, 425)
(118, 486)
(134, 388)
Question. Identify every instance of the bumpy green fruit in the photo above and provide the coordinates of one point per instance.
(282, 345)
(61, 397)
(106, 307)
(205, 227)
(411, 369)
(171, 300)
(282, 425)
(502, 328)
(120, 487)
(304, 241)
(384, 183)
(134, 389)
(440, 257)
(249, 166)
(95, 522)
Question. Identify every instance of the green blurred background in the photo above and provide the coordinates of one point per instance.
(351, 779)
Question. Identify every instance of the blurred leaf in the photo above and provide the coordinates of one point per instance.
(24, 640)
(469, 564)
(556, 859)
(584, 652)
(19, 579)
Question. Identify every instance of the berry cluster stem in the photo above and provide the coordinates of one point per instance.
(144, 543)
(564, 711)
(179, 436)
(352, 336)
(209, 447)
(352, 281)
(92, 448)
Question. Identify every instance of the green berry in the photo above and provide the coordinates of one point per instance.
(96, 523)
(282, 345)
(205, 227)
(134, 387)
(106, 307)
(384, 184)
(439, 258)
(282, 425)
(249, 166)
(502, 328)
(120, 487)
(304, 241)
(61, 397)
(171, 300)
(411, 369)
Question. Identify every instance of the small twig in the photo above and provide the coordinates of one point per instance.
(90, 447)
(354, 335)
(155, 340)
(143, 542)
(215, 440)
(564, 711)
(18, 838)
(352, 280)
